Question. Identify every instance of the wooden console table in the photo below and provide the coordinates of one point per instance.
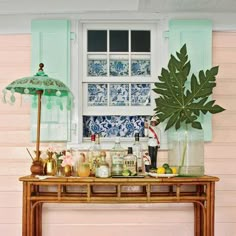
(197, 190)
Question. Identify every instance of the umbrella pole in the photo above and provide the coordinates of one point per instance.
(39, 92)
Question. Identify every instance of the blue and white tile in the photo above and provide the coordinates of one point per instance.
(97, 67)
(140, 68)
(113, 126)
(141, 94)
(119, 67)
(97, 94)
(119, 94)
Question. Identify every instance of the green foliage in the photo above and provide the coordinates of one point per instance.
(181, 100)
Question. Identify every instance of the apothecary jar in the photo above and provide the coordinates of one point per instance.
(186, 150)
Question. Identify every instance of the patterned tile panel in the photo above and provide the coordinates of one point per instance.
(119, 94)
(140, 94)
(140, 68)
(119, 67)
(97, 67)
(97, 94)
(112, 126)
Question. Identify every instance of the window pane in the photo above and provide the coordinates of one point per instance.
(97, 40)
(119, 40)
(119, 67)
(119, 94)
(140, 41)
(97, 94)
(140, 67)
(140, 94)
(97, 67)
(112, 126)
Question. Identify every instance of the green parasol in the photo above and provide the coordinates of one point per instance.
(40, 85)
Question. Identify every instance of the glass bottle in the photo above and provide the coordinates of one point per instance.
(137, 151)
(117, 158)
(146, 128)
(90, 152)
(130, 162)
(96, 158)
(102, 168)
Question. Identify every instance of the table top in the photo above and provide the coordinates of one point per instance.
(146, 179)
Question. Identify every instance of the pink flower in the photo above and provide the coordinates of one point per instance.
(67, 159)
(51, 149)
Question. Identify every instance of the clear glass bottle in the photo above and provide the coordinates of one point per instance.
(137, 151)
(146, 128)
(90, 151)
(130, 162)
(102, 168)
(117, 158)
(96, 158)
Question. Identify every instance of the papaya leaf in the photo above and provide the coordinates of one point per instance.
(182, 97)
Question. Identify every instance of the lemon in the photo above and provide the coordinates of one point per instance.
(161, 170)
(174, 170)
(165, 165)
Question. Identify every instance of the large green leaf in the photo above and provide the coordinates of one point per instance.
(181, 100)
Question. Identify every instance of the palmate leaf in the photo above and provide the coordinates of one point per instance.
(176, 103)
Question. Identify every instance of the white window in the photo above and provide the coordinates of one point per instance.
(119, 70)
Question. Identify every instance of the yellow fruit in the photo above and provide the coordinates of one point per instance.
(161, 170)
(174, 170)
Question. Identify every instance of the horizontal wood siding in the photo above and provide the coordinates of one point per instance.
(137, 219)
(14, 133)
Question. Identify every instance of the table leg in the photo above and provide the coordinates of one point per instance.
(196, 220)
(38, 219)
(212, 208)
(24, 210)
(208, 209)
(28, 211)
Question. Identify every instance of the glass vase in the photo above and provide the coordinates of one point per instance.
(186, 150)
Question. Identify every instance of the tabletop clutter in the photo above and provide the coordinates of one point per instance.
(133, 161)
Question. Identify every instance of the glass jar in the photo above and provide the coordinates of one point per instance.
(83, 167)
(186, 150)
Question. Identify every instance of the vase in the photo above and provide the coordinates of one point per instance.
(59, 167)
(67, 171)
(50, 165)
(186, 150)
(37, 167)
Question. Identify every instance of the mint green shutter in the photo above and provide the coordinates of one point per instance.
(197, 35)
(51, 46)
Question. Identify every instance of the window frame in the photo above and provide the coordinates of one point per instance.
(116, 110)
